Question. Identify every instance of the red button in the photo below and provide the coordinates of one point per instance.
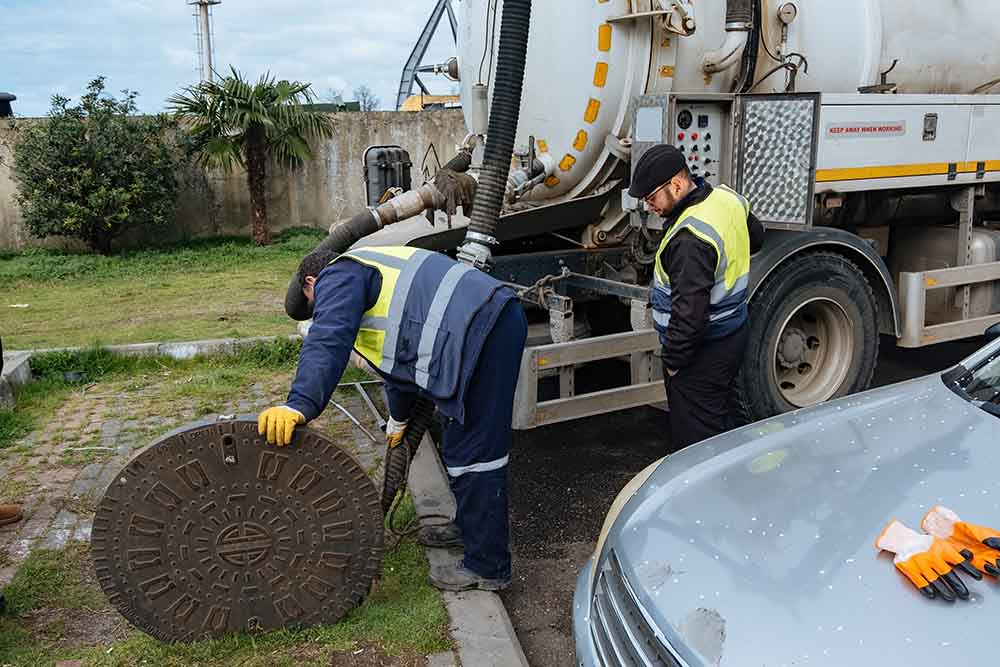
(694, 136)
(680, 136)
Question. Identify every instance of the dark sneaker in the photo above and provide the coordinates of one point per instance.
(456, 577)
(445, 536)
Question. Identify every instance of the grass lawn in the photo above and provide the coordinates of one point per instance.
(154, 386)
(56, 609)
(57, 612)
(208, 289)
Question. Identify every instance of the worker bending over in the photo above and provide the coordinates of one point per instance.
(430, 325)
(699, 291)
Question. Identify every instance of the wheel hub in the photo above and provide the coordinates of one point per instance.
(792, 348)
(813, 353)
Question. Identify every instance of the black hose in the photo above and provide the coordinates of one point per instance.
(398, 458)
(748, 66)
(739, 11)
(340, 239)
(504, 113)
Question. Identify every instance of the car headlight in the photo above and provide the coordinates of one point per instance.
(616, 508)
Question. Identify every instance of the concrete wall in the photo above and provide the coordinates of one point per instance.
(328, 188)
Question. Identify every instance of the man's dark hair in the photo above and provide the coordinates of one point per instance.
(314, 263)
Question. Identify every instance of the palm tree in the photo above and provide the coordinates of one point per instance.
(235, 123)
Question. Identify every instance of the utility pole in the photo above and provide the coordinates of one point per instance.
(203, 27)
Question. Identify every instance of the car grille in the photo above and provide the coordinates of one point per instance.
(620, 630)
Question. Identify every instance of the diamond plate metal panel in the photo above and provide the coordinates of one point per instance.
(777, 160)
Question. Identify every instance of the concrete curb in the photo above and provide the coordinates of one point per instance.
(17, 364)
(479, 622)
(16, 372)
(176, 350)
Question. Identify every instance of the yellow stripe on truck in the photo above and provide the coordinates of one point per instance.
(900, 171)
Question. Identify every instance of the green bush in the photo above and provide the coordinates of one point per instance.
(94, 170)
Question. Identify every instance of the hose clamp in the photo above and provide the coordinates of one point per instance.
(481, 238)
(378, 218)
(476, 255)
(739, 26)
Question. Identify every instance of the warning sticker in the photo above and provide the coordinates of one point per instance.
(892, 128)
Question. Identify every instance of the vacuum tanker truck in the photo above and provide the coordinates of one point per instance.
(861, 131)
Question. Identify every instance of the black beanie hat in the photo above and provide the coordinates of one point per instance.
(656, 166)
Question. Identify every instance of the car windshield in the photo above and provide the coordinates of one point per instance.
(982, 384)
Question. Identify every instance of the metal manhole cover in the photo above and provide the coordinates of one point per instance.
(210, 530)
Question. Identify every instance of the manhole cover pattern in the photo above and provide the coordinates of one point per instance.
(210, 530)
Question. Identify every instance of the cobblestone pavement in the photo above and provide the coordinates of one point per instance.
(61, 470)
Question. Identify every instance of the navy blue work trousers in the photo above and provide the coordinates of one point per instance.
(475, 453)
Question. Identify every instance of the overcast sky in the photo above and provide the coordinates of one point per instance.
(57, 46)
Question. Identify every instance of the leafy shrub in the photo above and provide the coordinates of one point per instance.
(94, 170)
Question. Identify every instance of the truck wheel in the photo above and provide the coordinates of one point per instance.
(813, 333)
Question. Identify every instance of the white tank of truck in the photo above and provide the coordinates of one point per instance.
(587, 60)
(879, 181)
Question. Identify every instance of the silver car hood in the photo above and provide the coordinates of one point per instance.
(756, 547)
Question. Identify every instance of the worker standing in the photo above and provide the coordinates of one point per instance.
(429, 325)
(699, 291)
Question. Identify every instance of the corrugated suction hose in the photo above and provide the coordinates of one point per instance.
(504, 113)
(739, 11)
(398, 459)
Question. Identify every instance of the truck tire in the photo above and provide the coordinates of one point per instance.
(814, 336)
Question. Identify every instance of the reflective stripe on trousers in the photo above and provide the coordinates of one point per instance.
(458, 471)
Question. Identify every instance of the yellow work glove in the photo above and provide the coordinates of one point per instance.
(278, 424)
(926, 561)
(394, 432)
(978, 543)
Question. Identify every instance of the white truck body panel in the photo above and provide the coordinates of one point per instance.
(874, 142)
(584, 66)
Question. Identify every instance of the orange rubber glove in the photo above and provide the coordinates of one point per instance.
(979, 544)
(278, 424)
(928, 562)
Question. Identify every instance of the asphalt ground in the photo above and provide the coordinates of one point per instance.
(564, 477)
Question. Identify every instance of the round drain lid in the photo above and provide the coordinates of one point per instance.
(210, 530)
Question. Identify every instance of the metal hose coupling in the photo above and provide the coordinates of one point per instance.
(408, 205)
(477, 251)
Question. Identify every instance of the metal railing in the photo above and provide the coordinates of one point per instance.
(913, 288)
(645, 387)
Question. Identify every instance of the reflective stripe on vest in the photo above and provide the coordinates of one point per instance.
(415, 331)
(378, 336)
(721, 221)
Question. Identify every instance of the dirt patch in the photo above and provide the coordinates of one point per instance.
(540, 602)
(369, 656)
(70, 628)
(563, 479)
